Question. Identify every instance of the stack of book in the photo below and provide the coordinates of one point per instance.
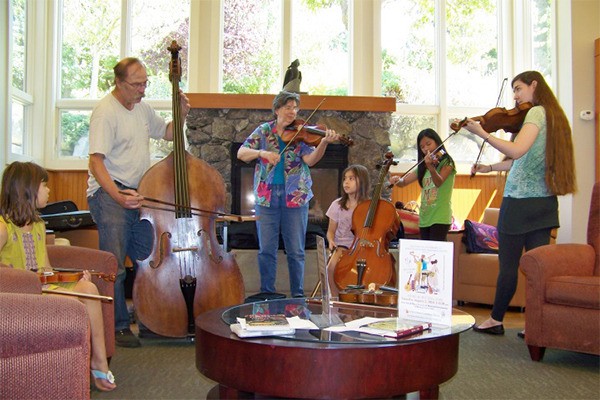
(262, 325)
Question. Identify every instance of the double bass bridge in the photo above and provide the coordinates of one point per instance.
(180, 249)
(362, 243)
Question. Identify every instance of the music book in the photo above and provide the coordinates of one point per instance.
(244, 333)
(262, 322)
(392, 327)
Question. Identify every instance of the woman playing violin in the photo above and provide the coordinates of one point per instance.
(540, 167)
(23, 245)
(435, 174)
(282, 189)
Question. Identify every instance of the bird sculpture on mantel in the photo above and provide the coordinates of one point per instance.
(293, 77)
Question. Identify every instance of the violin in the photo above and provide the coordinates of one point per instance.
(298, 131)
(70, 275)
(499, 118)
(374, 294)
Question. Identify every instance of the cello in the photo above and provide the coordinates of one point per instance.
(374, 223)
(187, 271)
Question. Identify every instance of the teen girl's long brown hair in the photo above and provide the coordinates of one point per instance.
(18, 195)
(364, 184)
(560, 158)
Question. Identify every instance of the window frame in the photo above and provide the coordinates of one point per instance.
(32, 97)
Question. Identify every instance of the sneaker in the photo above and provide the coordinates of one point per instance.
(126, 338)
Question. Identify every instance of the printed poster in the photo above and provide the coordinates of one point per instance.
(425, 281)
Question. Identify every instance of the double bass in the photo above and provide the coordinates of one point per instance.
(374, 223)
(187, 271)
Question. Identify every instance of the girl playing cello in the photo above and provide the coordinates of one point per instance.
(356, 188)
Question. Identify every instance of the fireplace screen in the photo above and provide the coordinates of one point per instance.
(326, 188)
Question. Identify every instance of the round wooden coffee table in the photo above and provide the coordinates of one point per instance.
(320, 364)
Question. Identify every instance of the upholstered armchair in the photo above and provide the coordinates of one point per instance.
(475, 274)
(44, 341)
(94, 260)
(563, 292)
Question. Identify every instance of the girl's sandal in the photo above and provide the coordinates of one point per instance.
(100, 376)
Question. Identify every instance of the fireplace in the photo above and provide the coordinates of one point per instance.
(326, 176)
(217, 123)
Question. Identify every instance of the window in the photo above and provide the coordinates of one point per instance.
(21, 97)
(321, 43)
(254, 41)
(91, 43)
(251, 46)
(444, 60)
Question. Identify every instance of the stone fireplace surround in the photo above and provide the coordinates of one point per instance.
(216, 121)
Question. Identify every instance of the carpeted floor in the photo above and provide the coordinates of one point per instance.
(490, 367)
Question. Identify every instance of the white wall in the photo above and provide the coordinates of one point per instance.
(585, 15)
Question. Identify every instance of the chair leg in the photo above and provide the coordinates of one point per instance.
(536, 352)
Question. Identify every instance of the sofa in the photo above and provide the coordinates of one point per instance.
(44, 341)
(563, 292)
(475, 274)
(75, 257)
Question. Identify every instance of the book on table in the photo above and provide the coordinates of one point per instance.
(254, 325)
(395, 328)
(248, 333)
(264, 322)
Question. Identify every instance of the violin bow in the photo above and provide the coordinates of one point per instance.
(302, 126)
(484, 142)
(106, 299)
(201, 212)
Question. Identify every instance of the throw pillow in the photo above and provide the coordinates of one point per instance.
(480, 238)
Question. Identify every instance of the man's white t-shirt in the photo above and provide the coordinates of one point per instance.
(123, 137)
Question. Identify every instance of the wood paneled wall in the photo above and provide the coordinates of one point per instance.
(469, 198)
(68, 185)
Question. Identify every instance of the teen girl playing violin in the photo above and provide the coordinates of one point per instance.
(436, 177)
(282, 190)
(23, 246)
(356, 188)
(540, 167)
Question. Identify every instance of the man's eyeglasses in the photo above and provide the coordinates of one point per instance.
(138, 85)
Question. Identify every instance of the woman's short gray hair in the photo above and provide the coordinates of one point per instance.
(283, 97)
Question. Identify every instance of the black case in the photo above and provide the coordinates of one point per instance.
(59, 207)
(64, 216)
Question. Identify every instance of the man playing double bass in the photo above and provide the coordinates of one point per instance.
(120, 128)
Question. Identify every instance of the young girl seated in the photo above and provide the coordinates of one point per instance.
(356, 188)
(23, 245)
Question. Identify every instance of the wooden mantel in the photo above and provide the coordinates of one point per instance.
(308, 102)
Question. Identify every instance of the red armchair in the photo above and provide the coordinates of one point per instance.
(563, 292)
(94, 260)
(42, 356)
